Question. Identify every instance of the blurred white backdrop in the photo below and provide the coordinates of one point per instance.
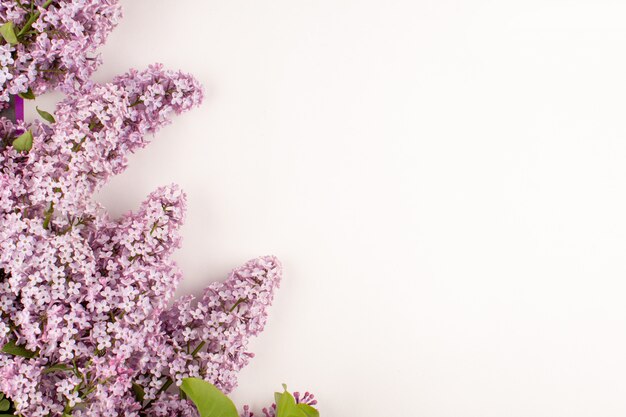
(444, 180)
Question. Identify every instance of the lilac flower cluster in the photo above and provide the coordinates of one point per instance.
(56, 42)
(87, 323)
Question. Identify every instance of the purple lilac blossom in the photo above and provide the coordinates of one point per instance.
(57, 43)
(90, 296)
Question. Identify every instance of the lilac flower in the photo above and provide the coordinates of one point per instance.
(307, 398)
(57, 43)
(86, 297)
(87, 323)
(246, 412)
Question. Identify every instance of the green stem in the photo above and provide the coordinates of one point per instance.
(239, 301)
(197, 349)
(169, 380)
(46, 220)
(165, 386)
(136, 103)
(78, 145)
(33, 18)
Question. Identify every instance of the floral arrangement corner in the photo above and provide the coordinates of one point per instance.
(88, 322)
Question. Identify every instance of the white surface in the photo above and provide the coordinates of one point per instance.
(443, 180)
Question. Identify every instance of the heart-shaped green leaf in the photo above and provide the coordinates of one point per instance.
(286, 405)
(5, 405)
(12, 349)
(45, 115)
(24, 142)
(209, 400)
(8, 33)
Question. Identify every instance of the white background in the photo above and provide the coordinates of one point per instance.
(443, 180)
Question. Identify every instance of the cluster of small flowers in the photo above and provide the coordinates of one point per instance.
(56, 43)
(209, 334)
(85, 299)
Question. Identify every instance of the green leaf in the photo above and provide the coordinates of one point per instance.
(45, 115)
(209, 400)
(24, 142)
(12, 349)
(139, 392)
(8, 33)
(286, 405)
(308, 410)
(59, 367)
(28, 95)
(5, 405)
